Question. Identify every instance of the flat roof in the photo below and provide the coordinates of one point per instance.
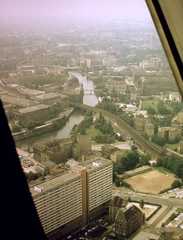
(46, 163)
(68, 175)
(29, 91)
(95, 163)
(48, 95)
(33, 108)
(18, 101)
(53, 182)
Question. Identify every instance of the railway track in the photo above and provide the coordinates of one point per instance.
(147, 146)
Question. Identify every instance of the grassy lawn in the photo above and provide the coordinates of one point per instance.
(92, 131)
(172, 146)
(153, 103)
(162, 170)
(179, 210)
(150, 103)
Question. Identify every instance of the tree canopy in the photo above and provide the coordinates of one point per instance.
(172, 163)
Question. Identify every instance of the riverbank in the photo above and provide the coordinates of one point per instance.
(47, 127)
(64, 131)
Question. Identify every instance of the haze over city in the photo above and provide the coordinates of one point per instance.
(96, 116)
(49, 12)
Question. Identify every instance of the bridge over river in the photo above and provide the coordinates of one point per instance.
(147, 146)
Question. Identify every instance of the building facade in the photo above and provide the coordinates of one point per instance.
(82, 145)
(70, 200)
(115, 205)
(126, 216)
(128, 221)
(57, 151)
(34, 113)
(118, 86)
(169, 133)
(60, 150)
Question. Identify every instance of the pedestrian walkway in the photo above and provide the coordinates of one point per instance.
(166, 216)
(153, 219)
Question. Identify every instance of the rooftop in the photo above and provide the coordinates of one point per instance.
(33, 108)
(48, 95)
(18, 101)
(54, 182)
(68, 175)
(95, 163)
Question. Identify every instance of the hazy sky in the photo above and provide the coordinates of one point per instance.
(90, 9)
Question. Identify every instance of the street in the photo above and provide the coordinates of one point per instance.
(169, 205)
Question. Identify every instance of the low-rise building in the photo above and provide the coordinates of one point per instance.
(118, 86)
(126, 216)
(116, 155)
(142, 125)
(58, 151)
(40, 112)
(130, 108)
(82, 145)
(169, 133)
(43, 165)
(106, 150)
(128, 221)
(52, 98)
(115, 205)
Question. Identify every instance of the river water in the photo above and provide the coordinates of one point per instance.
(76, 118)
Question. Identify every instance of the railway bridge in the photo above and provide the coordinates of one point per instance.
(147, 146)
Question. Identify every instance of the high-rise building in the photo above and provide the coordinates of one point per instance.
(72, 199)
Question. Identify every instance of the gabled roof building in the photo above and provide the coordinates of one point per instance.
(128, 221)
(126, 216)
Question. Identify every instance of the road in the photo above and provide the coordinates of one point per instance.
(169, 202)
(169, 205)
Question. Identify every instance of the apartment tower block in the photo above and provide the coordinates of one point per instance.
(72, 199)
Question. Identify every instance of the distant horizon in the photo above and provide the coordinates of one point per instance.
(68, 11)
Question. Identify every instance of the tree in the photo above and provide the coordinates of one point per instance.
(176, 184)
(158, 140)
(56, 124)
(16, 128)
(117, 182)
(89, 113)
(145, 159)
(151, 110)
(55, 111)
(46, 171)
(130, 161)
(82, 131)
(30, 125)
(159, 162)
(146, 136)
(119, 167)
(162, 109)
(129, 199)
(133, 148)
(141, 203)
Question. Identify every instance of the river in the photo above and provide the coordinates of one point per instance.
(76, 118)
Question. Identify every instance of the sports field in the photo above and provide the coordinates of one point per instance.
(151, 182)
